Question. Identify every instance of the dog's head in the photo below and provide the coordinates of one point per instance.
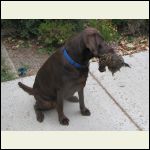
(95, 42)
(100, 49)
(113, 61)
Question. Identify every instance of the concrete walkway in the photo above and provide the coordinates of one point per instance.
(116, 103)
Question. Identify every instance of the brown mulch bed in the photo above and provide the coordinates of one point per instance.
(28, 57)
(138, 44)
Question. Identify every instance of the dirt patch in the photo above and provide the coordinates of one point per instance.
(28, 57)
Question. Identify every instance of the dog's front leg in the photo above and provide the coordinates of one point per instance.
(83, 109)
(62, 118)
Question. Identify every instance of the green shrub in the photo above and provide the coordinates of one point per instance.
(22, 28)
(132, 27)
(6, 74)
(107, 30)
(53, 34)
(120, 24)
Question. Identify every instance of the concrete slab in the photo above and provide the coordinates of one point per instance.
(18, 114)
(130, 87)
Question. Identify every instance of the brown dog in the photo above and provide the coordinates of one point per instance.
(66, 72)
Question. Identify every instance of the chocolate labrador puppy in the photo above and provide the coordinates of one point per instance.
(66, 72)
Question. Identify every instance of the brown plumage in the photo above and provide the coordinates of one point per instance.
(113, 61)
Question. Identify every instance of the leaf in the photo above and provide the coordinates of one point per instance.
(143, 41)
(130, 45)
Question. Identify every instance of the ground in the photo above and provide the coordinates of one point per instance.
(28, 57)
(117, 103)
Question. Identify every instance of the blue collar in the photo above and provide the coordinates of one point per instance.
(71, 61)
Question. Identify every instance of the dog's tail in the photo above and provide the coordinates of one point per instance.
(27, 89)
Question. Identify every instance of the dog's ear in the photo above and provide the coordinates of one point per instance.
(91, 42)
(95, 42)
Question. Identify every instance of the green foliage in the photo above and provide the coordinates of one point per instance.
(130, 39)
(52, 34)
(107, 30)
(28, 28)
(132, 27)
(6, 75)
(118, 22)
(24, 28)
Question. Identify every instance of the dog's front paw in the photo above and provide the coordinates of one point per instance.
(85, 112)
(64, 121)
(40, 117)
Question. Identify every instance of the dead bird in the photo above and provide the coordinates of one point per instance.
(113, 61)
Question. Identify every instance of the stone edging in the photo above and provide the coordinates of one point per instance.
(8, 62)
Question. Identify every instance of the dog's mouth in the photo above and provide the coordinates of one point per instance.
(104, 60)
(114, 63)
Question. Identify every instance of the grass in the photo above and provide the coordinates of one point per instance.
(6, 74)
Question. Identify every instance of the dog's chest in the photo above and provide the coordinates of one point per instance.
(74, 84)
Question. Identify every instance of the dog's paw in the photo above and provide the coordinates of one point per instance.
(64, 121)
(85, 112)
(40, 117)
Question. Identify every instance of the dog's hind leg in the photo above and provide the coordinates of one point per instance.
(42, 105)
(39, 113)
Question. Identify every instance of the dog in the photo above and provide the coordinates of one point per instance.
(65, 72)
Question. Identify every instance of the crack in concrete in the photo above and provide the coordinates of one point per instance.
(115, 101)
